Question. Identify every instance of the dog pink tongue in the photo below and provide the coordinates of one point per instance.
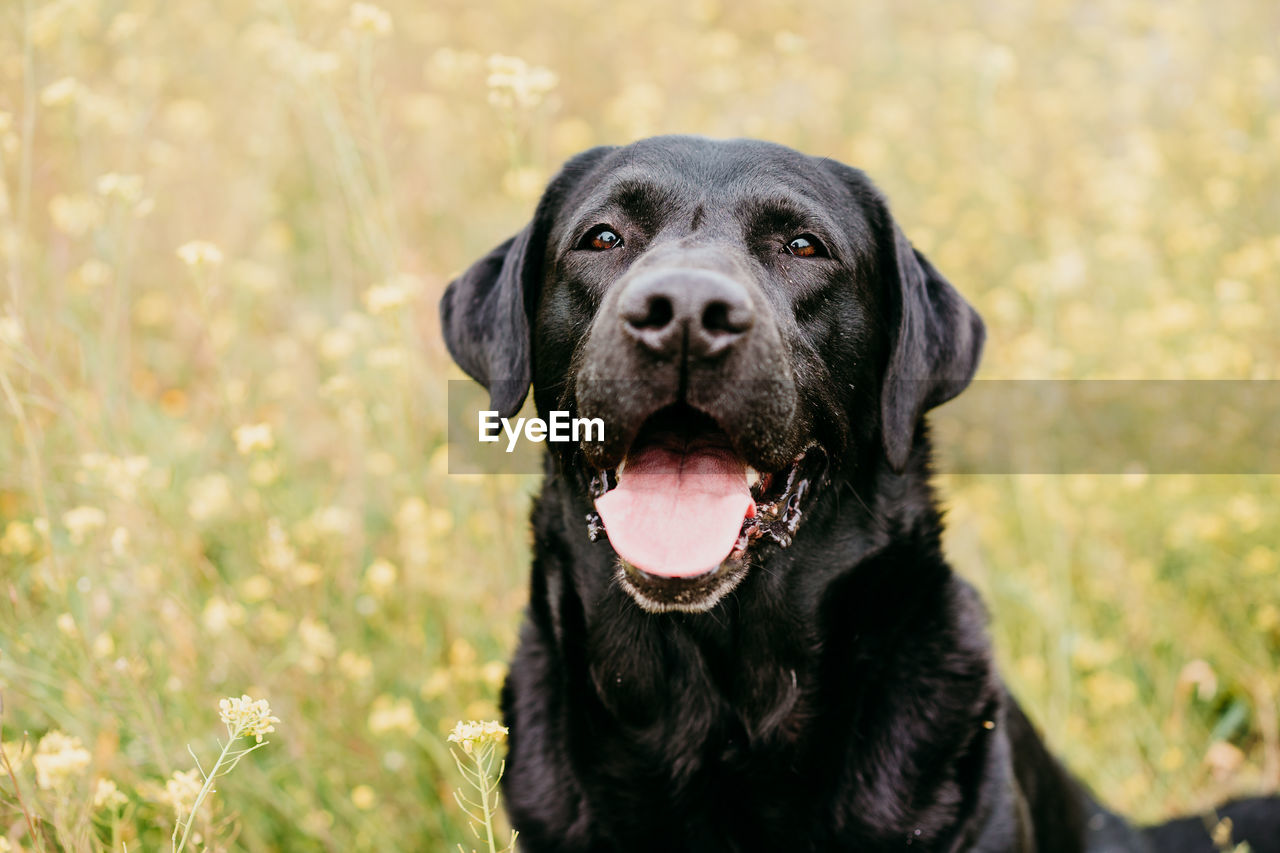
(677, 513)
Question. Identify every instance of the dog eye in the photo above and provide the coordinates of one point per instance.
(806, 246)
(600, 239)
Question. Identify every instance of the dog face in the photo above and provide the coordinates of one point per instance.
(748, 322)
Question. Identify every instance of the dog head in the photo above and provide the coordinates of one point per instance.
(745, 319)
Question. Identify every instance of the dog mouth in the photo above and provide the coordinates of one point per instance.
(683, 509)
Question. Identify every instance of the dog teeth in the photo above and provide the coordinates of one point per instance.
(753, 477)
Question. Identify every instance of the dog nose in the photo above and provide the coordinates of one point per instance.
(698, 312)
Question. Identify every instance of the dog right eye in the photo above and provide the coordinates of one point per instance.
(806, 246)
(601, 239)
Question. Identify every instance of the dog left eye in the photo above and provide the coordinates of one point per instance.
(601, 239)
(806, 246)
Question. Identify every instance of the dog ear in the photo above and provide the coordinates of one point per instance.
(486, 313)
(934, 348)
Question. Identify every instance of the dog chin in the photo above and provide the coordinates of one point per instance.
(681, 595)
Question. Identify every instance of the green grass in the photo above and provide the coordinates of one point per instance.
(1099, 182)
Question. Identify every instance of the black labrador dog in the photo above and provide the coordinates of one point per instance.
(742, 633)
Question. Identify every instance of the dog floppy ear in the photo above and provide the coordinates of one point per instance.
(486, 313)
(934, 348)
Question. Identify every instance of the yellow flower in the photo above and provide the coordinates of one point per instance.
(58, 759)
(181, 790)
(381, 575)
(83, 520)
(92, 273)
(104, 646)
(436, 684)
(200, 253)
(46, 23)
(317, 822)
(264, 472)
(219, 614)
(461, 654)
(473, 734)
(75, 215)
(318, 644)
(256, 588)
(278, 554)
(494, 673)
(332, 521)
(514, 83)
(392, 715)
(127, 188)
(306, 63)
(120, 541)
(1261, 560)
(273, 622)
(392, 293)
(245, 717)
(107, 796)
(1223, 759)
(1171, 759)
(355, 667)
(10, 331)
(17, 752)
(251, 437)
(18, 539)
(123, 25)
(59, 92)
(368, 18)
(363, 797)
(337, 343)
(209, 497)
(1108, 691)
(67, 624)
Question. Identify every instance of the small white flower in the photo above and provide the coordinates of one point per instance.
(392, 715)
(246, 717)
(127, 188)
(75, 215)
(474, 733)
(67, 624)
(209, 497)
(11, 333)
(82, 521)
(200, 253)
(181, 790)
(58, 759)
(514, 83)
(251, 437)
(393, 293)
(107, 796)
(371, 19)
(60, 92)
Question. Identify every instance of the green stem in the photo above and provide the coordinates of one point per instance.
(17, 792)
(483, 774)
(204, 792)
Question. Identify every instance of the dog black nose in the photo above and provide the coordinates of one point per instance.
(699, 312)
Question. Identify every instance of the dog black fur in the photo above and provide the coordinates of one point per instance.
(831, 688)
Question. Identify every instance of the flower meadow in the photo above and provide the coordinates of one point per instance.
(224, 228)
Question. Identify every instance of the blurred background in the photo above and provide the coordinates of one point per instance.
(224, 227)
